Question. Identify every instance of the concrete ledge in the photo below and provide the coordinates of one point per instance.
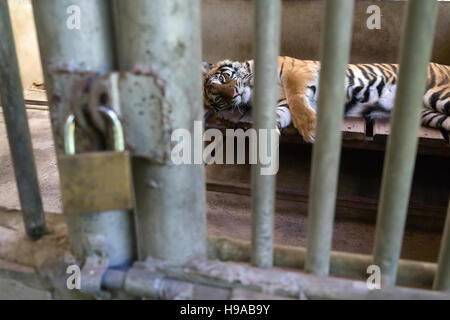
(34, 269)
(16, 290)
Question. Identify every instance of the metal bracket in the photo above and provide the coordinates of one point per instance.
(94, 268)
(139, 99)
(147, 116)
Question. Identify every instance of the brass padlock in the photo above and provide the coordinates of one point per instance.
(95, 181)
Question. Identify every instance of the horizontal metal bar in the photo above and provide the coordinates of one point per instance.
(158, 280)
(267, 48)
(18, 131)
(342, 264)
(335, 49)
(139, 282)
(442, 279)
(114, 279)
(417, 41)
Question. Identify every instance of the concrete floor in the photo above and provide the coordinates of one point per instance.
(44, 153)
(228, 214)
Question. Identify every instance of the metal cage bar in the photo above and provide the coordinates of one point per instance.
(335, 48)
(18, 131)
(417, 41)
(267, 47)
(442, 277)
(65, 50)
(162, 39)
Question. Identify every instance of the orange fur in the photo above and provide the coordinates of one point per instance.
(295, 77)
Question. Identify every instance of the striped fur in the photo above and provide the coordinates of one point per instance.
(370, 91)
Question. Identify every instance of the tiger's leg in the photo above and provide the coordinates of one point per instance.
(303, 116)
(295, 84)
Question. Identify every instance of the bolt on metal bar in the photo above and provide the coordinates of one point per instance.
(442, 277)
(417, 41)
(267, 48)
(335, 48)
(18, 131)
(162, 39)
(76, 37)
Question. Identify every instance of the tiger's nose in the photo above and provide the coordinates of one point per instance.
(229, 93)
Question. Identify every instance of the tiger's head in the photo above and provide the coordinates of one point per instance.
(227, 84)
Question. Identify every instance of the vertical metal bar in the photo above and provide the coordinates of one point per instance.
(442, 277)
(335, 50)
(401, 150)
(267, 48)
(18, 130)
(163, 39)
(87, 48)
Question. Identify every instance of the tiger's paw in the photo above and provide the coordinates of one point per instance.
(308, 135)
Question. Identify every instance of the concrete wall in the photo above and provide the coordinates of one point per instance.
(26, 42)
(227, 31)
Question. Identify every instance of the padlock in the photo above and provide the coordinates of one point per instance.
(95, 181)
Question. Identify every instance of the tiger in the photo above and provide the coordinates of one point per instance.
(370, 92)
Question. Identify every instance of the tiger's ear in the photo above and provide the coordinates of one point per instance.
(206, 67)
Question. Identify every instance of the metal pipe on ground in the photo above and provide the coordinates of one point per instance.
(19, 137)
(162, 40)
(200, 279)
(342, 264)
(75, 38)
(335, 48)
(267, 48)
(417, 41)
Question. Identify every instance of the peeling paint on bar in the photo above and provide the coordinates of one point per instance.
(158, 279)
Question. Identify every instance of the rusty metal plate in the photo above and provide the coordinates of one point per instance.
(94, 182)
(148, 121)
